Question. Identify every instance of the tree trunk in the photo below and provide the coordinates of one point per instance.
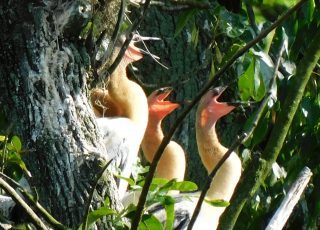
(44, 96)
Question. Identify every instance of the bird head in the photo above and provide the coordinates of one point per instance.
(133, 53)
(158, 106)
(211, 109)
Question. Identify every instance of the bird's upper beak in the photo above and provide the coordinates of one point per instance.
(163, 93)
(133, 53)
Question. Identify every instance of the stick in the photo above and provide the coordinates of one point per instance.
(290, 200)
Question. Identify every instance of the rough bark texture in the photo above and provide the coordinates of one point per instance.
(43, 94)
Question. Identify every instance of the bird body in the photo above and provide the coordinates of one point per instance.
(172, 164)
(127, 120)
(121, 141)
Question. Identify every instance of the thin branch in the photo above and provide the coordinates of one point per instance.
(252, 18)
(114, 36)
(265, 101)
(85, 223)
(16, 197)
(182, 5)
(42, 211)
(197, 98)
(290, 200)
(211, 176)
(125, 45)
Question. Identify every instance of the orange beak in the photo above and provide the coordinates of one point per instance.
(158, 104)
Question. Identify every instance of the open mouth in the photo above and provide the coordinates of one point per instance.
(218, 92)
(163, 93)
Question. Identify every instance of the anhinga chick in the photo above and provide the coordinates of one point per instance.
(172, 163)
(126, 123)
(210, 110)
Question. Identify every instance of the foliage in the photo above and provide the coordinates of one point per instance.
(254, 72)
(159, 193)
(11, 162)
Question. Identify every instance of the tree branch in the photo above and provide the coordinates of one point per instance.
(181, 117)
(43, 212)
(290, 200)
(265, 101)
(15, 196)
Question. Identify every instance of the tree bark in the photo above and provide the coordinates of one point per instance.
(43, 76)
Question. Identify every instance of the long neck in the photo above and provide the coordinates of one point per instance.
(209, 146)
(211, 151)
(129, 96)
(152, 138)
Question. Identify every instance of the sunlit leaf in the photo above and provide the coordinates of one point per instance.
(168, 204)
(16, 143)
(97, 214)
(195, 36)
(150, 222)
(266, 66)
(15, 158)
(218, 203)
(246, 82)
(185, 186)
(2, 138)
(129, 180)
(260, 89)
(168, 186)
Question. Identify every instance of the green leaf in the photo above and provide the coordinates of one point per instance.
(150, 222)
(183, 20)
(260, 89)
(246, 82)
(195, 36)
(158, 182)
(218, 203)
(15, 158)
(2, 138)
(129, 180)
(97, 214)
(16, 143)
(261, 130)
(168, 186)
(106, 202)
(230, 52)
(168, 204)
(266, 67)
(185, 186)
